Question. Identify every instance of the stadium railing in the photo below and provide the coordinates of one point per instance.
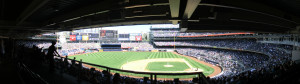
(29, 76)
(201, 76)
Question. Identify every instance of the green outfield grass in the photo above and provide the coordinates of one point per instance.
(159, 66)
(117, 59)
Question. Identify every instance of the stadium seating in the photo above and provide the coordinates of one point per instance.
(172, 33)
(238, 66)
(232, 62)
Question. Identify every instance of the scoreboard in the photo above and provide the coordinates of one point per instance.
(108, 33)
(102, 35)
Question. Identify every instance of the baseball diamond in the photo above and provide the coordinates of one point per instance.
(170, 62)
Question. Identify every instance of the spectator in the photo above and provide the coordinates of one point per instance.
(50, 55)
(116, 78)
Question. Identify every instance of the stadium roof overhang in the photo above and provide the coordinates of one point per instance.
(28, 17)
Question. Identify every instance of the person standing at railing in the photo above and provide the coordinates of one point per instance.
(66, 64)
(50, 55)
(80, 64)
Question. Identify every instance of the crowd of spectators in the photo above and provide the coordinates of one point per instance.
(31, 43)
(172, 33)
(139, 45)
(239, 44)
(164, 30)
(232, 62)
(77, 48)
(238, 62)
(71, 51)
(286, 73)
(70, 46)
(35, 56)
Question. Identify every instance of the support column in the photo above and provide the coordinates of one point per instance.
(151, 78)
(155, 79)
(199, 79)
(108, 80)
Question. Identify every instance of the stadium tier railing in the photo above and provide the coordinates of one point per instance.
(29, 76)
(201, 76)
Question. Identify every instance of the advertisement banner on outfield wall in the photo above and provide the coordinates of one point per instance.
(85, 37)
(72, 37)
(78, 37)
(132, 36)
(138, 38)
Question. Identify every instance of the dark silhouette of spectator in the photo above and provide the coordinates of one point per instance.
(66, 61)
(73, 61)
(50, 55)
(116, 79)
(21, 52)
(80, 64)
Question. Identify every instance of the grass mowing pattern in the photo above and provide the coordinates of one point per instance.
(159, 66)
(117, 59)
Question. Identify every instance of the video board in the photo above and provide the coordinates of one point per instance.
(108, 33)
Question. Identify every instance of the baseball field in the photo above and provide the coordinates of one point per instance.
(149, 62)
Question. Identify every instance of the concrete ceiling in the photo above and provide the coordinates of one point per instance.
(29, 17)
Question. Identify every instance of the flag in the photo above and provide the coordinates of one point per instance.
(72, 37)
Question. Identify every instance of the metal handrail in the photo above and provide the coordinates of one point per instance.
(200, 74)
(35, 76)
